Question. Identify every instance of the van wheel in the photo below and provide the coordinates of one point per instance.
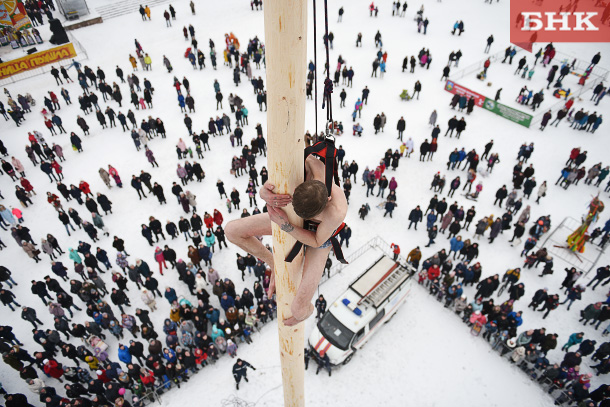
(346, 361)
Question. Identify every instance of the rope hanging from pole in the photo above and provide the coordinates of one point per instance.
(328, 83)
(315, 64)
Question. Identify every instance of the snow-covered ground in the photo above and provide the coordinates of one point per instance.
(424, 355)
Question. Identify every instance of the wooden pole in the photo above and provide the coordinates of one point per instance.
(286, 63)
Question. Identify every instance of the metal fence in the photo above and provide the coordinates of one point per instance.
(81, 55)
(478, 66)
(556, 245)
(375, 242)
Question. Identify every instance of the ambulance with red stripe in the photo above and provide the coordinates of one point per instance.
(369, 302)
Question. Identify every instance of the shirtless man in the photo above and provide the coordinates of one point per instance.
(310, 202)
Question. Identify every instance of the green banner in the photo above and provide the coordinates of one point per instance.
(509, 113)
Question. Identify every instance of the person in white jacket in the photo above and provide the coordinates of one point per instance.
(35, 385)
(149, 299)
(200, 282)
(409, 146)
(541, 192)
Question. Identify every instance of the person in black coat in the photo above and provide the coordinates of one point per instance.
(29, 314)
(156, 228)
(501, 194)
(67, 302)
(137, 185)
(452, 124)
(157, 191)
(119, 298)
(136, 349)
(220, 236)
(415, 216)
(40, 289)
(8, 298)
(90, 230)
(147, 233)
(171, 229)
(104, 202)
(169, 255)
(344, 235)
(144, 318)
(240, 371)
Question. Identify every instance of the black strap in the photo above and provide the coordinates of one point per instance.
(327, 151)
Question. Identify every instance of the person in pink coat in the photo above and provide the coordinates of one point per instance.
(477, 317)
(160, 259)
(115, 175)
(17, 214)
(18, 166)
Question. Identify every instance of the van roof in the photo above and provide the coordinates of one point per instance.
(368, 292)
(371, 278)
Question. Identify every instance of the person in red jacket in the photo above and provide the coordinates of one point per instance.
(53, 369)
(217, 217)
(147, 378)
(83, 186)
(208, 220)
(433, 272)
(569, 104)
(57, 169)
(573, 154)
(49, 124)
(27, 185)
(101, 375)
(396, 250)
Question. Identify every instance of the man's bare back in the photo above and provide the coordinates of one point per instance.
(242, 232)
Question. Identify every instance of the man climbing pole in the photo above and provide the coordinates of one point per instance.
(312, 203)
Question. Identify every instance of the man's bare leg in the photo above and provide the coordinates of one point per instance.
(242, 232)
(313, 267)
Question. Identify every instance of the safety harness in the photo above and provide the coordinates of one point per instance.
(326, 151)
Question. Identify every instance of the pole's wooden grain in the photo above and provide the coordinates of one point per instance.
(286, 63)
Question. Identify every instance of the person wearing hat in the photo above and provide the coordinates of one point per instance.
(240, 370)
(53, 369)
(323, 362)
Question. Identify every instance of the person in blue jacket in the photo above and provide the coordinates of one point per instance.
(170, 295)
(124, 354)
(430, 219)
(181, 103)
(226, 301)
(455, 245)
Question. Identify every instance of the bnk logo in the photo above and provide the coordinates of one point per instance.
(550, 21)
(535, 21)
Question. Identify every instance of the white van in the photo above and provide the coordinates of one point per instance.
(372, 299)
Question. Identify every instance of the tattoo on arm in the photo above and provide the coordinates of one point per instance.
(286, 227)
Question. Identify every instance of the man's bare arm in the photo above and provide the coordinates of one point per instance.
(307, 237)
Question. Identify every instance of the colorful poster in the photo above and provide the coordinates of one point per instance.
(454, 88)
(37, 60)
(5, 18)
(509, 113)
(18, 16)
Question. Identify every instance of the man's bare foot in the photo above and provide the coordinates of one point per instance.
(299, 315)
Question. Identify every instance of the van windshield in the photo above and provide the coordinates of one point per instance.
(335, 332)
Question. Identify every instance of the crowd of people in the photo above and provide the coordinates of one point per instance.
(97, 363)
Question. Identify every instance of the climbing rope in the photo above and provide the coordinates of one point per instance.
(328, 83)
